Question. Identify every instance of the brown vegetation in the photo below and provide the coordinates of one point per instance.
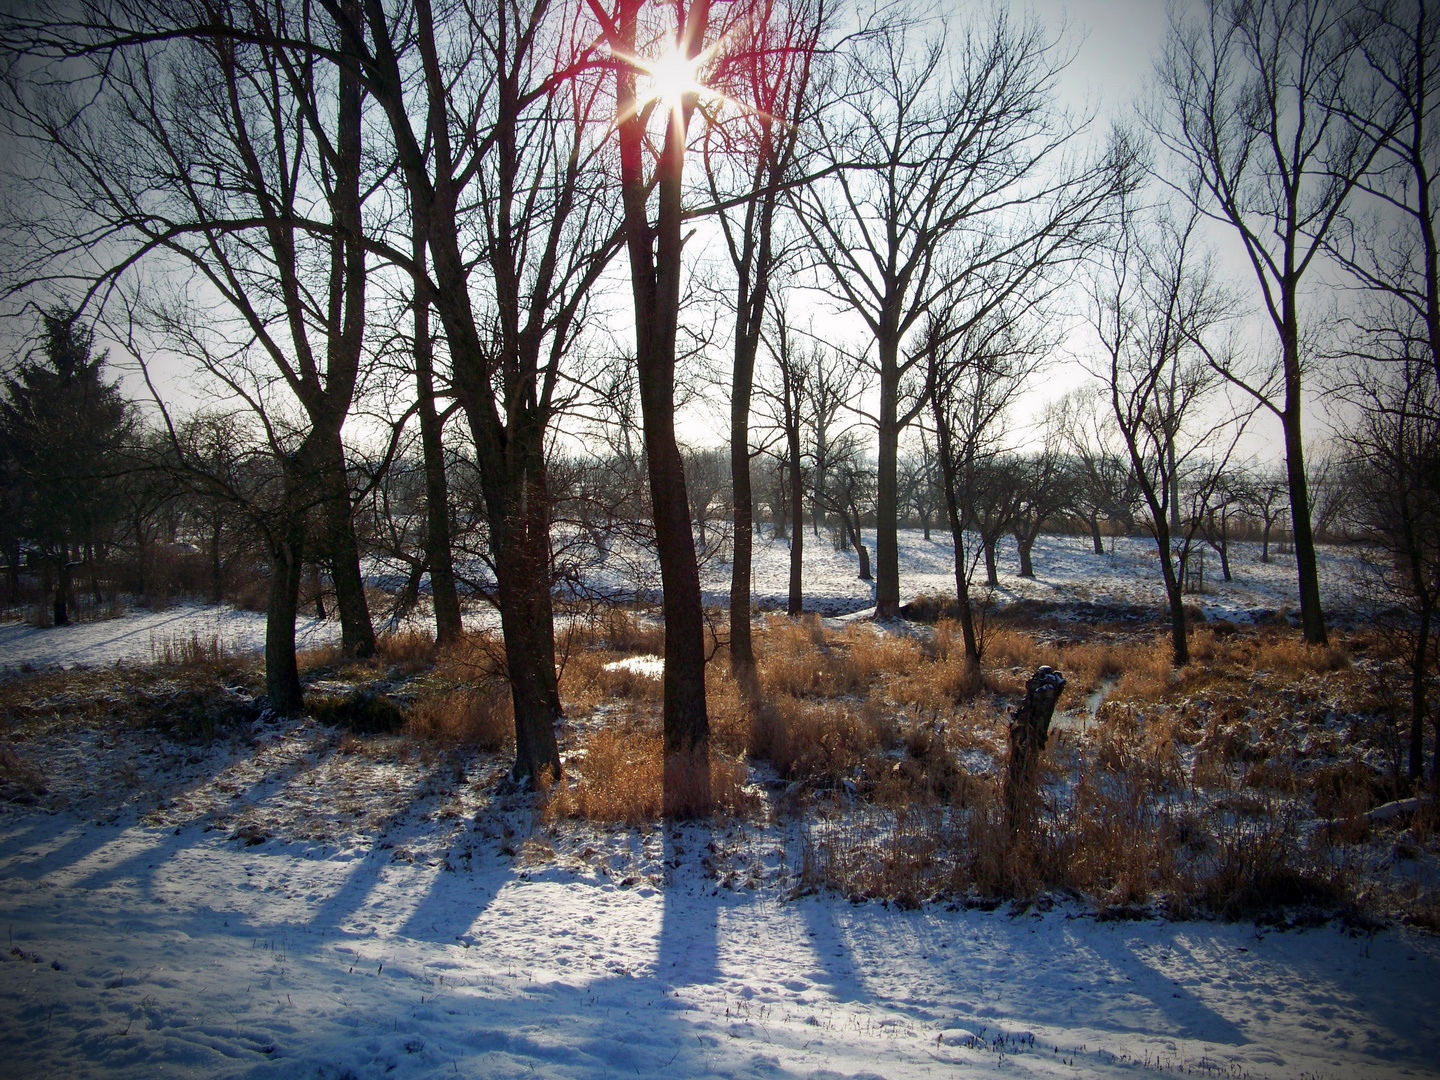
(1238, 785)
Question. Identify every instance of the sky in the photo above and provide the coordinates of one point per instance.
(1115, 47)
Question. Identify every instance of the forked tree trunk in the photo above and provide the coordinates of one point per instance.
(1024, 543)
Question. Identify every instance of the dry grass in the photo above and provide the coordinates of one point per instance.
(473, 718)
(616, 775)
(1127, 815)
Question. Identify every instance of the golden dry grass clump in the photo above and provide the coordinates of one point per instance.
(478, 718)
(616, 775)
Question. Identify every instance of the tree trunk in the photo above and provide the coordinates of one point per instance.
(992, 575)
(887, 551)
(655, 274)
(1265, 543)
(1024, 543)
(861, 551)
(527, 622)
(60, 610)
(1095, 538)
(796, 600)
(95, 597)
(432, 444)
(1417, 698)
(318, 589)
(515, 485)
(346, 341)
(1174, 593)
(742, 649)
(282, 674)
(217, 577)
(1312, 617)
(12, 554)
(142, 549)
(957, 532)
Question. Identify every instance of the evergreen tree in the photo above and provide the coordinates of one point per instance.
(63, 430)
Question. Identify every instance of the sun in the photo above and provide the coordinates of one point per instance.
(672, 76)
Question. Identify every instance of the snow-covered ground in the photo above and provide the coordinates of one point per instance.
(1067, 571)
(143, 636)
(140, 950)
(284, 902)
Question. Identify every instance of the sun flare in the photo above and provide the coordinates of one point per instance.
(672, 76)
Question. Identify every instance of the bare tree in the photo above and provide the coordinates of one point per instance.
(490, 119)
(1266, 496)
(1396, 449)
(1101, 481)
(1393, 251)
(1153, 301)
(948, 188)
(834, 382)
(1042, 490)
(221, 150)
(769, 62)
(655, 250)
(789, 398)
(971, 382)
(1253, 96)
(850, 495)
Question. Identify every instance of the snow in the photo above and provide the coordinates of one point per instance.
(141, 636)
(1066, 571)
(280, 905)
(140, 950)
(648, 665)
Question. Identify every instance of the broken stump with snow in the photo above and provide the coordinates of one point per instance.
(1029, 731)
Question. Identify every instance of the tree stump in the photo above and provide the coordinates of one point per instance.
(1029, 731)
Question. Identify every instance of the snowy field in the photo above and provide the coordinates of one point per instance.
(141, 636)
(280, 904)
(1067, 571)
(138, 950)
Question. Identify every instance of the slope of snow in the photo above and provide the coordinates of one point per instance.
(1066, 571)
(144, 951)
(142, 636)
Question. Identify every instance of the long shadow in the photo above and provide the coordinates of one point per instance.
(1187, 1015)
(451, 905)
(835, 958)
(688, 951)
(85, 840)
